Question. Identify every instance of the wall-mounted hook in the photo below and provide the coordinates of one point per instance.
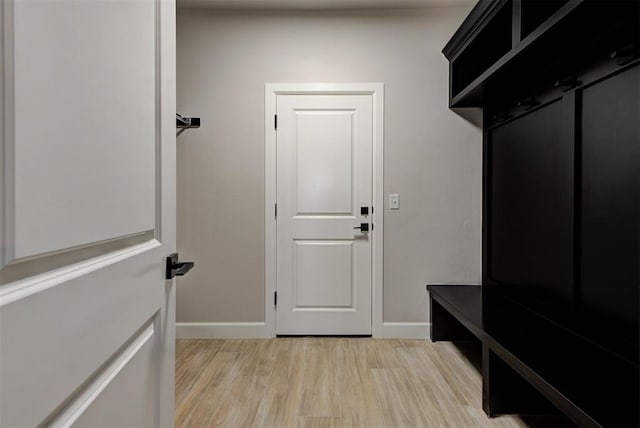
(568, 83)
(625, 54)
(501, 116)
(187, 122)
(528, 103)
(184, 122)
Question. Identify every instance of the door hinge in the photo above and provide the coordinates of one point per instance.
(275, 211)
(275, 298)
(275, 121)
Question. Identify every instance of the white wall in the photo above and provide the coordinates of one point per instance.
(432, 156)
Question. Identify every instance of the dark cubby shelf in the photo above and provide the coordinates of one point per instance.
(534, 14)
(491, 43)
(554, 37)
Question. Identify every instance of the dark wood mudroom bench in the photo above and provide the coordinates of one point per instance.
(530, 363)
(556, 84)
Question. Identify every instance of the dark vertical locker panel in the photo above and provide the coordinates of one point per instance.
(610, 200)
(531, 222)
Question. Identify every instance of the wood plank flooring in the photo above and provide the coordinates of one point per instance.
(329, 382)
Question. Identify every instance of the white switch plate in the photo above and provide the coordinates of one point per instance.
(394, 201)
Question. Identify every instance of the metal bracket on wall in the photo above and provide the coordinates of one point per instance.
(185, 122)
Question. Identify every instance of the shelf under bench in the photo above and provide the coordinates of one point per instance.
(526, 356)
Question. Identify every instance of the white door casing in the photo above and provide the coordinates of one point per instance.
(87, 194)
(328, 165)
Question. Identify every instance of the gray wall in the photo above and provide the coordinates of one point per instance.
(432, 156)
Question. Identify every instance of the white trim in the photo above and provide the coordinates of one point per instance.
(73, 411)
(376, 90)
(223, 330)
(7, 148)
(405, 330)
(270, 198)
(377, 266)
(260, 330)
(274, 89)
(25, 288)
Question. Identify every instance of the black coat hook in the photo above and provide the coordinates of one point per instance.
(184, 122)
(528, 103)
(567, 83)
(501, 116)
(625, 54)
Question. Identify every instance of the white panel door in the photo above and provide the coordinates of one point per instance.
(87, 213)
(324, 177)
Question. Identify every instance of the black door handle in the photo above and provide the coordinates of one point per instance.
(364, 227)
(177, 268)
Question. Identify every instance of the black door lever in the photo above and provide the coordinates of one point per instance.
(177, 268)
(364, 227)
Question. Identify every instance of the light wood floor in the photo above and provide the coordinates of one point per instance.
(326, 382)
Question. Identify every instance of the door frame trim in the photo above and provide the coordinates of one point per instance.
(272, 90)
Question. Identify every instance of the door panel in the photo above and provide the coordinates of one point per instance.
(60, 337)
(86, 316)
(95, 74)
(324, 176)
(610, 202)
(324, 274)
(324, 169)
(531, 194)
(132, 374)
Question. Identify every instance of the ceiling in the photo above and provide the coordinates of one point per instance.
(322, 4)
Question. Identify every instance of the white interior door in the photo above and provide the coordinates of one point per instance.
(87, 213)
(324, 177)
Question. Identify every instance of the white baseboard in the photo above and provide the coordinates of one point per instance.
(259, 330)
(405, 330)
(222, 330)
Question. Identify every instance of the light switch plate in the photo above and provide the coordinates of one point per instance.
(394, 201)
